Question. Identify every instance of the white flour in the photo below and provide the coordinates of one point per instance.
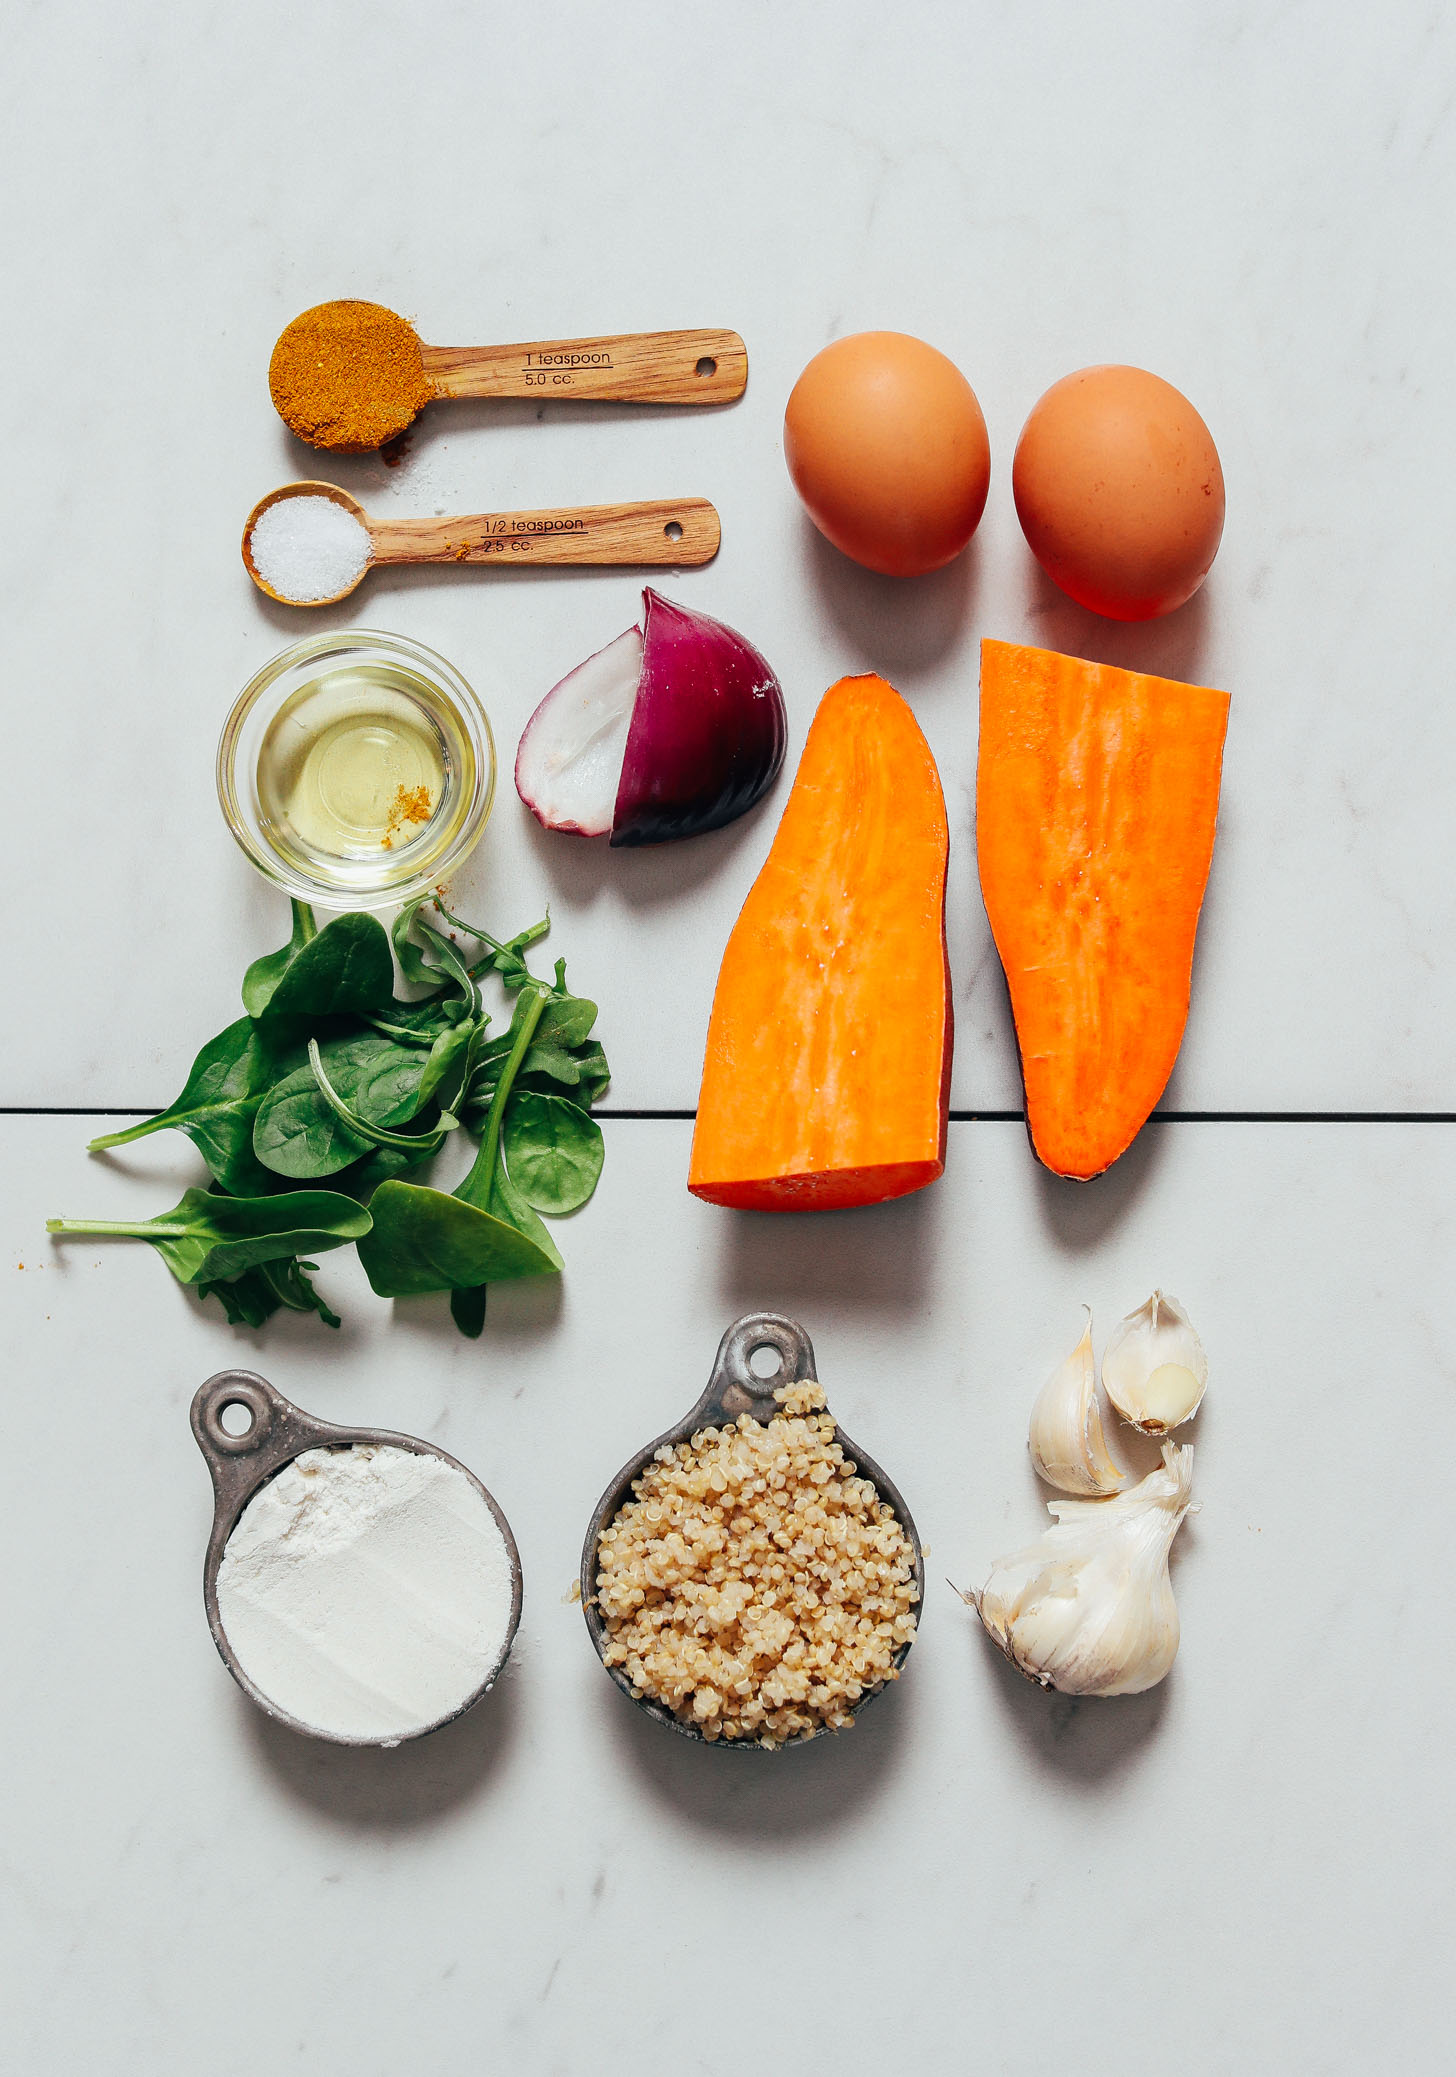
(366, 1591)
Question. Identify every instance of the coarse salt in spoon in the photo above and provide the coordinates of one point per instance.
(351, 375)
(308, 544)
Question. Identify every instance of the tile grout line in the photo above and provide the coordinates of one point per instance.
(987, 1117)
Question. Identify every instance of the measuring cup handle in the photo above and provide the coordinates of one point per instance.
(276, 1431)
(736, 1386)
(234, 1388)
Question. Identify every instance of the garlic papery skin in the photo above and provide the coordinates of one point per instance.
(1065, 1439)
(1154, 1370)
(1088, 1609)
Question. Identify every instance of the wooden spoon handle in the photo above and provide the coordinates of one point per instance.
(704, 367)
(678, 531)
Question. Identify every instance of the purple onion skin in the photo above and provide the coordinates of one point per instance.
(707, 733)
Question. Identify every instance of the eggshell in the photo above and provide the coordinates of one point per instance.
(887, 448)
(1119, 491)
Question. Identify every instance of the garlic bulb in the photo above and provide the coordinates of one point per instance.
(1089, 1608)
(1154, 1368)
(1066, 1441)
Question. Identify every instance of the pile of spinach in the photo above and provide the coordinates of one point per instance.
(332, 1082)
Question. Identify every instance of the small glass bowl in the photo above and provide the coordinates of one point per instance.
(410, 681)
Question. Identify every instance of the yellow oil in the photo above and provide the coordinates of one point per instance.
(362, 770)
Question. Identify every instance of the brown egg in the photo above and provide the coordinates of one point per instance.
(1119, 491)
(887, 447)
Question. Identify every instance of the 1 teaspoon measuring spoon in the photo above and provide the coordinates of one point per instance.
(341, 373)
(681, 532)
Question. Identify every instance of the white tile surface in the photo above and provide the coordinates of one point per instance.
(1253, 202)
(1243, 1870)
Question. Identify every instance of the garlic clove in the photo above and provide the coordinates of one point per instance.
(1154, 1369)
(1066, 1441)
(1088, 1609)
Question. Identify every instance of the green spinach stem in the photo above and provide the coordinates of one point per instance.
(423, 1144)
(139, 1229)
(121, 1139)
(483, 1167)
(512, 950)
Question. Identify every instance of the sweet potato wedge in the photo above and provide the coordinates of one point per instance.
(1096, 800)
(828, 1061)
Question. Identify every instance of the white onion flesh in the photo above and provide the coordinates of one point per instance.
(569, 764)
(671, 730)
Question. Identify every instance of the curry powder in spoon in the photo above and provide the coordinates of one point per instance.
(348, 376)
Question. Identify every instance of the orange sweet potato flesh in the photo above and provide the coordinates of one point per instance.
(828, 1063)
(1096, 799)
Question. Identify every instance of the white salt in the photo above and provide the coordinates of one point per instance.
(366, 1591)
(308, 548)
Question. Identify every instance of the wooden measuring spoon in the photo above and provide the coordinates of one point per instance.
(682, 532)
(359, 382)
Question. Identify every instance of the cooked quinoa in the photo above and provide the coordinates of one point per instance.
(755, 1585)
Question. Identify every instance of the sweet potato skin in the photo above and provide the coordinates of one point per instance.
(1096, 805)
(827, 1073)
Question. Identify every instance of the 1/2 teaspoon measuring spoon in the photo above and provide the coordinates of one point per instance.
(681, 532)
(702, 366)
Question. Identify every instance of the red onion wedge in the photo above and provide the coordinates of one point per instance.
(674, 728)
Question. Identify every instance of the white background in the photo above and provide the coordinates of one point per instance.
(1240, 1871)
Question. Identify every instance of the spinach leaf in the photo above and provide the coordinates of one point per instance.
(506, 1203)
(294, 1288)
(265, 1116)
(488, 1186)
(448, 965)
(376, 1167)
(553, 1151)
(364, 1128)
(584, 1072)
(345, 969)
(382, 1079)
(566, 1021)
(253, 1297)
(298, 1133)
(423, 1240)
(555, 1063)
(263, 976)
(592, 1072)
(449, 1063)
(558, 1038)
(216, 1107)
(411, 960)
(414, 1023)
(505, 959)
(248, 1300)
(467, 1309)
(207, 1237)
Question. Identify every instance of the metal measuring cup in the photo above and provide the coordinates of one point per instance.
(277, 1432)
(733, 1389)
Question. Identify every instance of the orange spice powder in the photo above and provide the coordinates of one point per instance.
(410, 804)
(348, 376)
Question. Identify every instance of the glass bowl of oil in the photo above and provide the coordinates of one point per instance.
(357, 768)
